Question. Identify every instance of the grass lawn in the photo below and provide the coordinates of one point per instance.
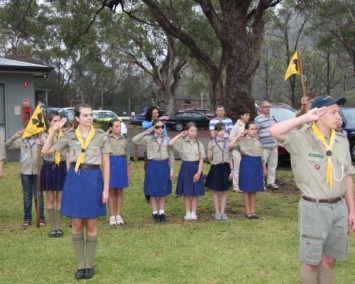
(237, 250)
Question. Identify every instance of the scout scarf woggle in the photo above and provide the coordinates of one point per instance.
(328, 148)
(83, 147)
(57, 154)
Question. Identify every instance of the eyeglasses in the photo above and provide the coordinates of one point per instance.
(159, 127)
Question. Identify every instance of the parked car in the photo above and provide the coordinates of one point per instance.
(138, 119)
(68, 112)
(205, 111)
(103, 117)
(281, 112)
(348, 115)
(179, 120)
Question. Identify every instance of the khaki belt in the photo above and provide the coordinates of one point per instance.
(329, 200)
(86, 166)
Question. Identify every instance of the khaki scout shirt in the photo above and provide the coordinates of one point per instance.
(152, 143)
(119, 147)
(249, 146)
(237, 128)
(50, 157)
(220, 153)
(309, 163)
(98, 145)
(2, 150)
(29, 153)
(190, 151)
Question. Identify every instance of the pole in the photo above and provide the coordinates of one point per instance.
(38, 193)
(303, 78)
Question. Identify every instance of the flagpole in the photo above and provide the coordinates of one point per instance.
(38, 181)
(303, 78)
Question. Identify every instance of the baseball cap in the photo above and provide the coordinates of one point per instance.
(323, 101)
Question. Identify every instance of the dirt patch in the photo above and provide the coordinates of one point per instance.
(285, 187)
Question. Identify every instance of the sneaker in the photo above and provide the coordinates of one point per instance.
(119, 220)
(156, 218)
(187, 217)
(216, 216)
(223, 216)
(273, 186)
(162, 218)
(113, 221)
(193, 217)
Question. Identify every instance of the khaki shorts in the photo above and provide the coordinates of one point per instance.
(323, 231)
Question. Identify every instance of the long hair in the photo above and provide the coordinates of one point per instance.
(187, 127)
(77, 112)
(148, 114)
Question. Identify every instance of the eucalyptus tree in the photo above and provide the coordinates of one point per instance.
(238, 27)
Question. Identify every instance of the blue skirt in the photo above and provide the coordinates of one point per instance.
(82, 194)
(218, 177)
(157, 182)
(53, 177)
(251, 174)
(118, 172)
(185, 184)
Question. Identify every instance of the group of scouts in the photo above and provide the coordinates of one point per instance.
(320, 160)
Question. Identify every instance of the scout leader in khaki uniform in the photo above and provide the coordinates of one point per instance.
(322, 166)
(86, 188)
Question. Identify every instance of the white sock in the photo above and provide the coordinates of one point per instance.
(155, 212)
(193, 212)
(161, 212)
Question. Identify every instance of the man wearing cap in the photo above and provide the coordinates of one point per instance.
(321, 165)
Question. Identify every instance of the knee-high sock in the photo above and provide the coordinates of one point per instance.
(325, 276)
(78, 243)
(59, 219)
(91, 242)
(308, 276)
(51, 218)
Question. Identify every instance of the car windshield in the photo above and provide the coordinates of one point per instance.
(281, 113)
(104, 114)
(349, 115)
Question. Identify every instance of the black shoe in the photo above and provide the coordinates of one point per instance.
(89, 273)
(52, 234)
(80, 273)
(59, 233)
(156, 218)
(162, 218)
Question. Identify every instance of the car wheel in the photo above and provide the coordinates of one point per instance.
(352, 149)
(179, 126)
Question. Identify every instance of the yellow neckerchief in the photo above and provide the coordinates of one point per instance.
(81, 157)
(328, 148)
(56, 154)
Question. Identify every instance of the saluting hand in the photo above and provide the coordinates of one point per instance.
(58, 125)
(149, 130)
(183, 134)
(315, 113)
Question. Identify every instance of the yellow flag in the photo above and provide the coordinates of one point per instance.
(295, 66)
(36, 124)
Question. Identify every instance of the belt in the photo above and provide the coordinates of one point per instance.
(329, 200)
(54, 164)
(86, 166)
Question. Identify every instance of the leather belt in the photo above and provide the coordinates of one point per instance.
(54, 164)
(329, 200)
(86, 166)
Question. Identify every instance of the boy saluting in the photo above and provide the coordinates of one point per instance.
(321, 165)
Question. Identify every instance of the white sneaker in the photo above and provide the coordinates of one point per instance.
(187, 217)
(112, 221)
(193, 217)
(223, 216)
(216, 216)
(119, 220)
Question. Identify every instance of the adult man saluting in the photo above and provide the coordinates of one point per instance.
(321, 166)
(263, 123)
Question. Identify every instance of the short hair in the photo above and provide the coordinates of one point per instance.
(219, 106)
(219, 126)
(311, 95)
(248, 124)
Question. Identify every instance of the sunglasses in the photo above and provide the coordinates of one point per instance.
(159, 127)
